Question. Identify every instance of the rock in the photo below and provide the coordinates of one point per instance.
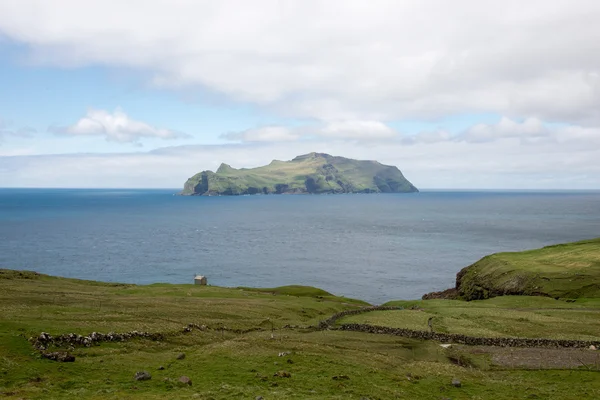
(142, 376)
(181, 356)
(60, 356)
(290, 361)
(446, 345)
(282, 374)
(592, 347)
(283, 353)
(185, 380)
(456, 383)
(259, 398)
(340, 377)
(161, 368)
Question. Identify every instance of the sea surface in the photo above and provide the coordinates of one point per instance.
(375, 247)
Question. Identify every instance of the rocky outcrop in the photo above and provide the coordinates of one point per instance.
(448, 294)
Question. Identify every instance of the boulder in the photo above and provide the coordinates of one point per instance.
(185, 380)
(142, 376)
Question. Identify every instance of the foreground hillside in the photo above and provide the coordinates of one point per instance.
(570, 270)
(311, 173)
(248, 344)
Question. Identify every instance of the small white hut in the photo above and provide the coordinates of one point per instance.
(200, 280)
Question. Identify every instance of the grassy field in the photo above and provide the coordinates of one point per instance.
(570, 270)
(223, 364)
(507, 316)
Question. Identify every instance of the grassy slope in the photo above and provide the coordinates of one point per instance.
(507, 316)
(225, 365)
(569, 270)
(359, 174)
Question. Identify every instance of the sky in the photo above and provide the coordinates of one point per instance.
(467, 94)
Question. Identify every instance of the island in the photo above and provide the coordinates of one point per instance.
(313, 173)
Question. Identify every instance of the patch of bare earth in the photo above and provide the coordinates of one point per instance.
(538, 358)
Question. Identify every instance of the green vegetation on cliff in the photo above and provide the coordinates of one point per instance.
(570, 270)
(311, 173)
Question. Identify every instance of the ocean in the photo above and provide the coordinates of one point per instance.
(375, 247)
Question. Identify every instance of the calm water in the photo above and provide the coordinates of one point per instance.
(373, 247)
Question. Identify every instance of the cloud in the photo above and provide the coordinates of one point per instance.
(361, 130)
(264, 134)
(345, 130)
(340, 59)
(527, 132)
(117, 127)
(6, 130)
(567, 158)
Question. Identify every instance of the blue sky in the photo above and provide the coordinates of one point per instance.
(473, 95)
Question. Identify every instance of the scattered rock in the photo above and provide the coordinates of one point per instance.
(181, 356)
(592, 347)
(340, 377)
(185, 380)
(456, 383)
(284, 353)
(282, 374)
(142, 376)
(60, 356)
(446, 345)
(161, 368)
(412, 378)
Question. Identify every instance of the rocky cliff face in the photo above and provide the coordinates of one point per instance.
(313, 173)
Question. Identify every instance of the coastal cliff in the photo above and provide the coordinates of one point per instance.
(314, 173)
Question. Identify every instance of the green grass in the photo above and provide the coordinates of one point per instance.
(227, 365)
(508, 316)
(569, 270)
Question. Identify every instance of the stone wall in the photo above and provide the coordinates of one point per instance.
(330, 322)
(469, 340)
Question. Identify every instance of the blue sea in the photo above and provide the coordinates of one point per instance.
(375, 247)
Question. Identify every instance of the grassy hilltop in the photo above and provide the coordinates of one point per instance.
(246, 343)
(311, 173)
(570, 270)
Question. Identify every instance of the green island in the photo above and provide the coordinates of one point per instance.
(532, 320)
(314, 173)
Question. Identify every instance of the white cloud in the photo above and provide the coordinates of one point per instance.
(567, 158)
(116, 127)
(345, 130)
(264, 134)
(369, 130)
(506, 128)
(340, 59)
(6, 129)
